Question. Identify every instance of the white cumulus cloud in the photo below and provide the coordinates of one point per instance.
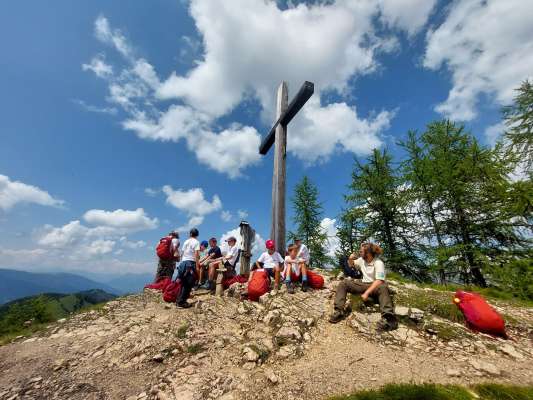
(327, 43)
(15, 192)
(128, 220)
(487, 45)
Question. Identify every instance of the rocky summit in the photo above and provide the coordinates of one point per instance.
(138, 347)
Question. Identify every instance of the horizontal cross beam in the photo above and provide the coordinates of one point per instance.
(304, 94)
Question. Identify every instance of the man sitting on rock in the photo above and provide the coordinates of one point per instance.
(229, 261)
(272, 262)
(372, 285)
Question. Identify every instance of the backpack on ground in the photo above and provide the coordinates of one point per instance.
(316, 281)
(164, 249)
(172, 291)
(161, 284)
(479, 315)
(258, 285)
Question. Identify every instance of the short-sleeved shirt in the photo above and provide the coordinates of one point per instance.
(175, 245)
(371, 271)
(215, 251)
(270, 260)
(304, 253)
(190, 246)
(232, 254)
(293, 263)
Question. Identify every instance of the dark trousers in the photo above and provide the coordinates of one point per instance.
(165, 268)
(381, 294)
(187, 278)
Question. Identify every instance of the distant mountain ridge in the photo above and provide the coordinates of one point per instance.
(15, 284)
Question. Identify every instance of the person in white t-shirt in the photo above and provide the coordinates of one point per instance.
(272, 262)
(302, 251)
(228, 260)
(372, 285)
(295, 268)
(190, 262)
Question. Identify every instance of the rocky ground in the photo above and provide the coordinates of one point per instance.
(138, 347)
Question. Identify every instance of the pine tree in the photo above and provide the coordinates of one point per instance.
(307, 218)
(377, 189)
(519, 120)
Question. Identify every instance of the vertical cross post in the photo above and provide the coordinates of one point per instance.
(277, 231)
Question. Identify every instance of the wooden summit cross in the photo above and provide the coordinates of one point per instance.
(278, 135)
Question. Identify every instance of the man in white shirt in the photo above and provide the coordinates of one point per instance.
(190, 262)
(303, 251)
(372, 285)
(272, 262)
(228, 260)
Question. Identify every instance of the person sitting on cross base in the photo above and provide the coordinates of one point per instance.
(272, 262)
(190, 262)
(302, 251)
(373, 286)
(295, 268)
(228, 261)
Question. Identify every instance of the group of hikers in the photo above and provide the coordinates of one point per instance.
(199, 263)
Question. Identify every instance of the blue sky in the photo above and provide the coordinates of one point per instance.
(121, 123)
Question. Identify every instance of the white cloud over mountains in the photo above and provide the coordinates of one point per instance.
(128, 220)
(488, 48)
(15, 192)
(193, 203)
(252, 47)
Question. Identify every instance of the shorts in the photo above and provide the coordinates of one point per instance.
(270, 272)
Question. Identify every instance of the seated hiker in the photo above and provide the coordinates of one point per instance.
(168, 252)
(229, 260)
(203, 263)
(213, 253)
(302, 251)
(373, 285)
(295, 269)
(272, 262)
(188, 265)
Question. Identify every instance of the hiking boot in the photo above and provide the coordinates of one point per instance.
(184, 304)
(337, 316)
(206, 286)
(305, 286)
(290, 288)
(387, 323)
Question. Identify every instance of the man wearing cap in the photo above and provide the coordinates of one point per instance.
(272, 262)
(228, 260)
(303, 251)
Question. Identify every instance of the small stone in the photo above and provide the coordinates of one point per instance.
(511, 351)
(158, 357)
(453, 372)
(36, 379)
(250, 354)
(271, 376)
(62, 320)
(162, 396)
(401, 311)
(416, 314)
(486, 367)
(265, 298)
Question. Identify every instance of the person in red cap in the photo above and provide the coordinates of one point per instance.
(272, 262)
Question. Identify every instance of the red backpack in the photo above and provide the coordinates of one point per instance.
(172, 291)
(258, 285)
(479, 315)
(164, 249)
(161, 284)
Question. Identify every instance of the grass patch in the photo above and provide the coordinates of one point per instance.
(445, 332)
(442, 392)
(436, 303)
(195, 348)
(490, 292)
(182, 331)
(492, 391)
